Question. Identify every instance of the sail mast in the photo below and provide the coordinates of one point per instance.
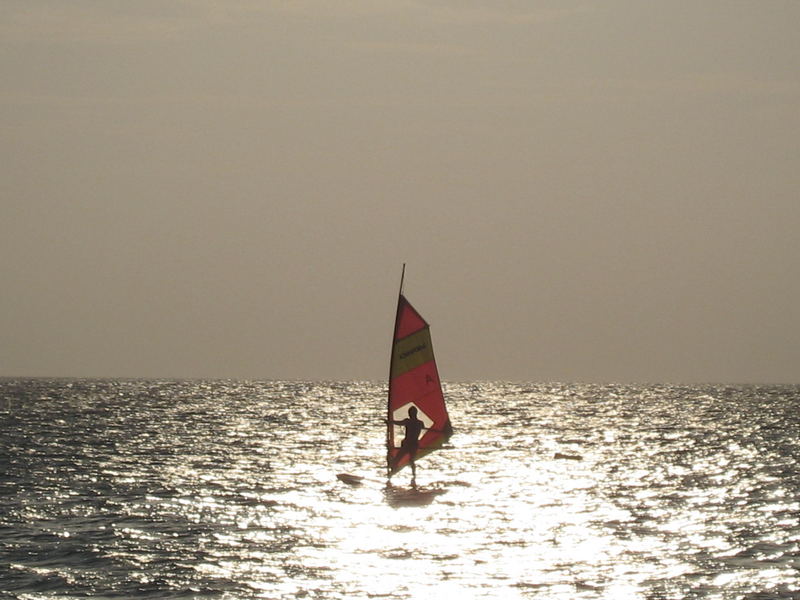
(389, 425)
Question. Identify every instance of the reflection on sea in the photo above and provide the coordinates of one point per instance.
(228, 490)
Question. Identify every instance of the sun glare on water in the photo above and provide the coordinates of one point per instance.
(553, 492)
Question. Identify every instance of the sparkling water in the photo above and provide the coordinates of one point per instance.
(228, 489)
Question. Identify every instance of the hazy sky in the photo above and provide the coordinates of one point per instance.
(583, 191)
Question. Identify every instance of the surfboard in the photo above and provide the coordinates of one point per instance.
(400, 496)
(350, 479)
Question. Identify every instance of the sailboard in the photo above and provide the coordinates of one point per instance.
(414, 386)
(415, 404)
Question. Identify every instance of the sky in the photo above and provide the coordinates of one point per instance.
(582, 191)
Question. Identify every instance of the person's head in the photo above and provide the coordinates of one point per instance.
(412, 412)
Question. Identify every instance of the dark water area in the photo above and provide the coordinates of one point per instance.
(228, 489)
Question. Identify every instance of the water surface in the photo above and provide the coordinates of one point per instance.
(227, 489)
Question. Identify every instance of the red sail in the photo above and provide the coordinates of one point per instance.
(414, 382)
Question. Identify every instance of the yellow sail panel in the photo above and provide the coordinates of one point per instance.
(411, 352)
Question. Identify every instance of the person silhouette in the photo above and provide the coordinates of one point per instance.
(410, 443)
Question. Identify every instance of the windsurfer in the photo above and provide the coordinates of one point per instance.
(410, 442)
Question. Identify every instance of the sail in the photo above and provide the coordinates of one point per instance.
(414, 382)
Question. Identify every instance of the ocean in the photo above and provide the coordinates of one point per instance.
(228, 489)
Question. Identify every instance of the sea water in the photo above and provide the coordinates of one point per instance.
(228, 489)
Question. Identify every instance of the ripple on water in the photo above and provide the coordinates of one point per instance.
(226, 489)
